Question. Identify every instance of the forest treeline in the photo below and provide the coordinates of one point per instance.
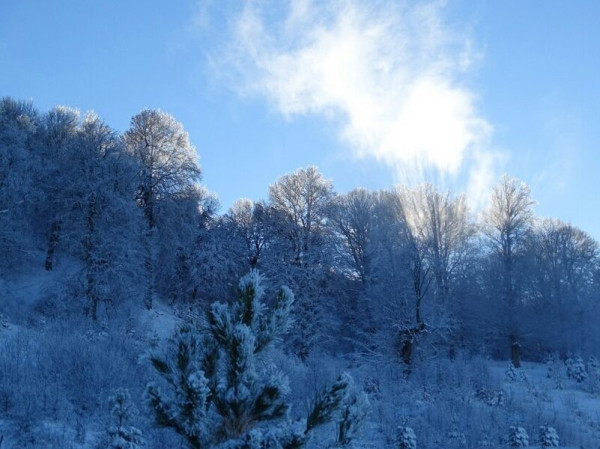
(403, 273)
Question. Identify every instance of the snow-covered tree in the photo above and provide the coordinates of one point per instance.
(506, 223)
(121, 434)
(251, 223)
(518, 437)
(186, 234)
(576, 369)
(441, 227)
(513, 374)
(19, 125)
(355, 411)
(353, 216)
(221, 393)
(388, 311)
(406, 438)
(565, 256)
(167, 158)
(108, 218)
(100, 223)
(301, 252)
(304, 198)
(168, 166)
(563, 261)
(548, 437)
(58, 131)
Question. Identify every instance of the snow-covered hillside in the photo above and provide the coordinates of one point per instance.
(57, 377)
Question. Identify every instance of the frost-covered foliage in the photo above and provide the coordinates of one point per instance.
(303, 247)
(518, 437)
(221, 395)
(19, 122)
(184, 407)
(123, 411)
(406, 438)
(59, 373)
(576, 369)
(548, 437)
(494, 398)
(355, 411)
(513, 374)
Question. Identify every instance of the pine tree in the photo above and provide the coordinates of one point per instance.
(517, 437)
(354, 412)
(548, 437)
(219, 395)
(122, 436)
(511, 373)
(406, 438)
(592, 364)
(576, 369)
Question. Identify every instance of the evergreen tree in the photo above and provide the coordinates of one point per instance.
(548, 437)
(354, 412)
(122, 436)
(406, 438)
(576, 369)
(219, 395)
(517, 437)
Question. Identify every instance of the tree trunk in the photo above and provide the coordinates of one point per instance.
(52, 244)
(149, 267)
(407, 345)
(515, 354)
(407, 337)
(90, 261)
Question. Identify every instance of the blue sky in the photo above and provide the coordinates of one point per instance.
(374, 93)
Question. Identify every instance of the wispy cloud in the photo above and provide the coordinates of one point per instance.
(388, 75)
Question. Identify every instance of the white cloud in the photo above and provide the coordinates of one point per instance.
(387, 74)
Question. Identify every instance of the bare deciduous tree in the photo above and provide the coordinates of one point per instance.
(353, 216)
(506, 223)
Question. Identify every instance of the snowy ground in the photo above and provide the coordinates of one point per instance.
(575, 405)
(467, 403)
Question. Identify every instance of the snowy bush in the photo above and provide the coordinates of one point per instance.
(576, 369)
(518, 437)
(548, 437)
(406, 438)
(489, 397)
